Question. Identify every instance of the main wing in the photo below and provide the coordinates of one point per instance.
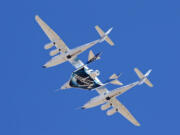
(59, 43)
(124, 111)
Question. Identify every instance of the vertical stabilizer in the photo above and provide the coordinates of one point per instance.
(143, 77)
(104, 35)
(91, 55)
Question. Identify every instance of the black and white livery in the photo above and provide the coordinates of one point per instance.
(86, 78)
(62, 53)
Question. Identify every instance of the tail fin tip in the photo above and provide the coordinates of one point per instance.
(104, 35)
(143, 77)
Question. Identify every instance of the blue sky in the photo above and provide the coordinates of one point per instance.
(146, 35)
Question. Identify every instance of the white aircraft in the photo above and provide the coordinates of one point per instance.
(108, 98)
(66, 53)
(86, 78)
(83, 77)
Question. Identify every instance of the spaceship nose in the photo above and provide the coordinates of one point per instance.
(83, 107)
(44, 66)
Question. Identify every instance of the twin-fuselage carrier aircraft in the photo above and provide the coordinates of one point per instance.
(86, 78)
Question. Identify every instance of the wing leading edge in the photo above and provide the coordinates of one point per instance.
(116, 104)
(124, 111)
(59, 43)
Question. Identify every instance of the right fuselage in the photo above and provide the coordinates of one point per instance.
(95, 102)
(98, 100)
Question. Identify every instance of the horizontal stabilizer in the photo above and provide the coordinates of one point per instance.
(143, 77)
(104, 35)
(116, 82)
(114, 78)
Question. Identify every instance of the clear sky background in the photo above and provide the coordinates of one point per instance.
(146, 35)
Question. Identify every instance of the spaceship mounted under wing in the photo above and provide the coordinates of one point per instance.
(83, 77)
(86, 78)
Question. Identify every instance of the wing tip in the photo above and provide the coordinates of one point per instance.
(36, 17)
(96, 26)
(137, 124)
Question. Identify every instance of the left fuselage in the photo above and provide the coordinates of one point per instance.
(61, 58)
(69, 55)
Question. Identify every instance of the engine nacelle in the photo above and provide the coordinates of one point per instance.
(95, 73)
(49, 45)
(105, 106)
(111, 111)
(54, 52)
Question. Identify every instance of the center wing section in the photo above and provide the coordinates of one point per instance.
(124, 111)
(102, 90)
(76, 62)
(58, 42)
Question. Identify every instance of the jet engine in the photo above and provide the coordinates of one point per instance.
(111, 111)
(105, 106)
(49, 45)
(54, 52)
(95, 73)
